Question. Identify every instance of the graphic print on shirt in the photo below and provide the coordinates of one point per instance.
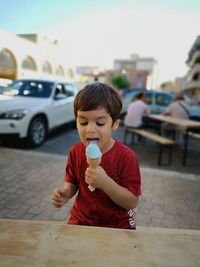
(131, 214)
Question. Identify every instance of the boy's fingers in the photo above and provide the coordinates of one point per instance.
(57, 192)
(64, 192)
(58, 197)
(57, 202)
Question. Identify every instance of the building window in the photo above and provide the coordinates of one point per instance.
(139, 81)
(196, 76)
(60, 71)
(7, 64)
(29, 64)
(46, 68)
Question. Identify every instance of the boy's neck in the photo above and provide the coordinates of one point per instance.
(111, 144)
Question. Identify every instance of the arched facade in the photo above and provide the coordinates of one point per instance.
(8, 68)
(46, 68)
(30, 56)
(59, 71)
(29, 64)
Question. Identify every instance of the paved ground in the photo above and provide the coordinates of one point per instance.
(170, 199)
(59, 142)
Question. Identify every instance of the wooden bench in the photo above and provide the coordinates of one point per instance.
(162, 141)
(194, 135)
(187, 136)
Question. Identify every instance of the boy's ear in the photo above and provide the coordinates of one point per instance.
(115, 125)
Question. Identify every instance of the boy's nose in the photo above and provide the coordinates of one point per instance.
(91, 127)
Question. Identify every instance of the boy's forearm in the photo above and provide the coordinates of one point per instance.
(72, 189)
(120, 195)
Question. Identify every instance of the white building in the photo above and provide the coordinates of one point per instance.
(193, 62)
(30, 55)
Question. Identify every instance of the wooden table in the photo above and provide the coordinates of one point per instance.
(189, 125)
(50, 244)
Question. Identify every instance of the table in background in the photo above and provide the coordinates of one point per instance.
(33, 243)
(189, 125)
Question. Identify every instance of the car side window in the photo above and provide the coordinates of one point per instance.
(70, 90)
(162, 99)
(149, 98)
(59, 89)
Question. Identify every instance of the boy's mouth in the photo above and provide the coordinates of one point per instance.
(92, 139)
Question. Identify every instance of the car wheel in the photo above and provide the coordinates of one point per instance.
(37, 132)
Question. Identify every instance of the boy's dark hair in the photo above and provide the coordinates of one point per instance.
(98, 95)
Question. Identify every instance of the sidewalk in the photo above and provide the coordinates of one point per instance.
(169, 199)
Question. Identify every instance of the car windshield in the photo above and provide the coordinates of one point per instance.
(28, 88)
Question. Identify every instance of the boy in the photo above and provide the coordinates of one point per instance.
(117, 179)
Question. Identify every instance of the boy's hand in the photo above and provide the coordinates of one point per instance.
(96, 177)
(60, 196)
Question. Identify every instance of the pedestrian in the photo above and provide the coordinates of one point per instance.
(177, 109)
(135, 112)
(117, 179)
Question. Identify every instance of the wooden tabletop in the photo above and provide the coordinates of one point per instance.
(34, 243)
(180, 122)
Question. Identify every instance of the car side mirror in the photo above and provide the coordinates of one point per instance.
(59, 96)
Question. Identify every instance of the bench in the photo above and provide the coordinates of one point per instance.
(162, 141)
(194, 135)
(187, 135)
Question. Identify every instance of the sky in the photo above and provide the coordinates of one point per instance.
(95, 32)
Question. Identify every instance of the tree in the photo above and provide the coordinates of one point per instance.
(120, 82)
(167, 86)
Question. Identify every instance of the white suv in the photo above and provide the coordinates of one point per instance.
(31, 108)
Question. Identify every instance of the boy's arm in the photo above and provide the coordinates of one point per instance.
(68, 190)
(120, 195)
(63, 194)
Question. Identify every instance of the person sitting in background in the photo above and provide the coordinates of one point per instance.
(191, 97)
(177, 109)
(136, 110)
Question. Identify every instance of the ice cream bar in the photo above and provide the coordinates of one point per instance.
(93, 155)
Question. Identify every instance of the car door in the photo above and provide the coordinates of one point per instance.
(62, 107)
(70, 91)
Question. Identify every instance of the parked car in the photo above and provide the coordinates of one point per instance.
(2, 89)
(31, 108)
(192, 98)
(157, 101)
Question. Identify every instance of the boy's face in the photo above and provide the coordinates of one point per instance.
(96, 125)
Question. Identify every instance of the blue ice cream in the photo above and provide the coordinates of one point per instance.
(93, 151)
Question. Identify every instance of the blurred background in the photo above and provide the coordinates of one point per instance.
(58, 47)
(151, 44)
(132, 45)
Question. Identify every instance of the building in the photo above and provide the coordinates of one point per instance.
(193, 62)
(32, 56)
(142, 72)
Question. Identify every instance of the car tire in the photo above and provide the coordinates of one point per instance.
(37, 132)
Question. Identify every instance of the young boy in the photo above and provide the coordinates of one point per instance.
(117, 179)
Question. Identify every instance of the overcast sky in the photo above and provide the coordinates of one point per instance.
(95, 32)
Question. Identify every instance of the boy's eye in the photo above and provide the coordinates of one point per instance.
(100, 124)
(83, 123)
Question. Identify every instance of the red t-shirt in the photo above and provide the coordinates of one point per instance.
(96, 208)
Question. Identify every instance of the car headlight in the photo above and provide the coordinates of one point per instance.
(17, 114)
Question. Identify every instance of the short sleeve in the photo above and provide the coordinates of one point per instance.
(130, 176)
(70, 174)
